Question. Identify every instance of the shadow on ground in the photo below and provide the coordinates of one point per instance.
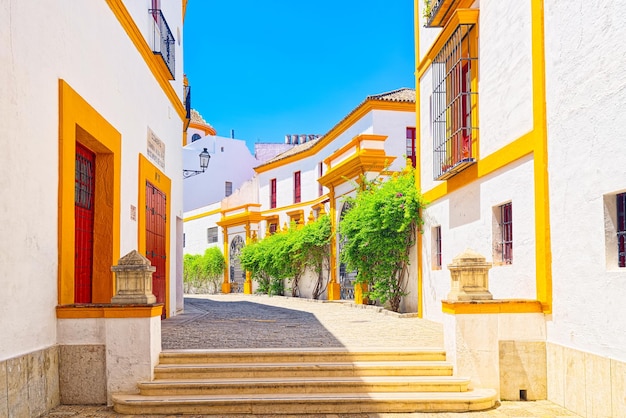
(209, 324)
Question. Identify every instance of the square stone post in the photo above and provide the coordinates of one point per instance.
(133, 280)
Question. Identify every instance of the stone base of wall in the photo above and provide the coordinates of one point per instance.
(522, 370)
(584, 383)
(29, 384)
(82, 374)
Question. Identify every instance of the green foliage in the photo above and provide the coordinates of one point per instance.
(203, 272)
(286, 255)
(379, 230)
(428, 8)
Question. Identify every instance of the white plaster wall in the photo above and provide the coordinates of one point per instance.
(84, 44)
(82, 331)
(466, 217)
(394, 124)
(196, 230)
(231, 160)
(505, 82)
(586, 108)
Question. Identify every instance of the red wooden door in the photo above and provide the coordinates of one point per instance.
(155, 239)
(84, 188)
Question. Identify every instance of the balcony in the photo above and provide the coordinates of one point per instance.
(162, 41)
(438, 12)
(187, 104)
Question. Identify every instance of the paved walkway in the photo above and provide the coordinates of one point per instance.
(253, 321)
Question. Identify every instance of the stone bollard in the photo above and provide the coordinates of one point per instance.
(133, 280)
(470, 277)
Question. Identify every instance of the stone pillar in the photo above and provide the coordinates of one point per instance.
(133, 280)
(470, 277)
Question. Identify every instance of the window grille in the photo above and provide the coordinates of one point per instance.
(453, 102)
(272, 193)
(320, 173)
(437, 250)
(296, 187)
(228, 188)
(162, 41)
(211, 235)
(621, 229)
(506, 225)
(410, 145)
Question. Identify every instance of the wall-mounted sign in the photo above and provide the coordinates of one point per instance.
(156, 149)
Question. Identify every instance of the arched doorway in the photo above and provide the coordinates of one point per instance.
(237, 276)
(346, 278)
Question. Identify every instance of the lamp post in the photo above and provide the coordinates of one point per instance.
(204, 163)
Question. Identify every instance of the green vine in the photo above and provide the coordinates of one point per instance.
(380, 229)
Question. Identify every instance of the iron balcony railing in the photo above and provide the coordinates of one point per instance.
(163, 40)
(187, 103)
(437, 12)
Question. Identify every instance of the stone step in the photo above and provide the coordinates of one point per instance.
(313, 369)
(300, 404)
(298, 355)
(311, 385)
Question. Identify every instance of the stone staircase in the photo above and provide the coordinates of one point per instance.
(300, 382)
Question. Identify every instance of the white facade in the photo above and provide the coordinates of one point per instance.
(231, 161)
(75, 61)
(550, 102)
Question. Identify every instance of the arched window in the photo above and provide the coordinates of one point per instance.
(195, 137)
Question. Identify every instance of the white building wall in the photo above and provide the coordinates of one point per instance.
(84, 44)
(466, 218)
(586, 107)
(505, 82)
(231, 160)
(196, 240)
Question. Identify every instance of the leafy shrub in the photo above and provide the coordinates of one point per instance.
(379, 229)
(203, 273)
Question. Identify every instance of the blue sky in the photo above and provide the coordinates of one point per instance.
(277, 67)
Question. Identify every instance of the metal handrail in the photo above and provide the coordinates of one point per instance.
(162, 40)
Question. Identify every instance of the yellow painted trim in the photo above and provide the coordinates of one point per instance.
(103, 139)
(149, 172)
(366, 160)
(506, 155)
(542, 194)
(296, 206)
(418, 156)
(492, 307)
(341, 127)
(208, 130)
(240, 219)
(184, 9)
(460, 17)
(295, 215)
(202, 215)
(333, 292)
(226, 282)
(110, 311)
(356, 144)
(154, 63)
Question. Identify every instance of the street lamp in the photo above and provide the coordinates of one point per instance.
(204, 163)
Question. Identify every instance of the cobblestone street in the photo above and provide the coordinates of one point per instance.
(255, 321)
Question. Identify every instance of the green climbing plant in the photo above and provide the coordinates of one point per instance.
(202, 273)
(379, 230)
(286, 255)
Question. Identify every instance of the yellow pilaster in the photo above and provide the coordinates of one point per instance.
(418, 165)
(359, 293)
(334, 289)
(543, 251)
(247, 284)
(226, 283)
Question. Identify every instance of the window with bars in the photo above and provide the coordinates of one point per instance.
(506, 233)
(272, 193)
(410, 145)
(211, 235)
(436, 235)
(228, 188)
(621, 230)
(296, 187)
(454, 101)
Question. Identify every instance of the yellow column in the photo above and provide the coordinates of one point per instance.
(543, 251)
(418, 166)
(247, 285)
(334, 289)
(226, 283)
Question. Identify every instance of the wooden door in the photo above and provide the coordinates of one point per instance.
(156, 222)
